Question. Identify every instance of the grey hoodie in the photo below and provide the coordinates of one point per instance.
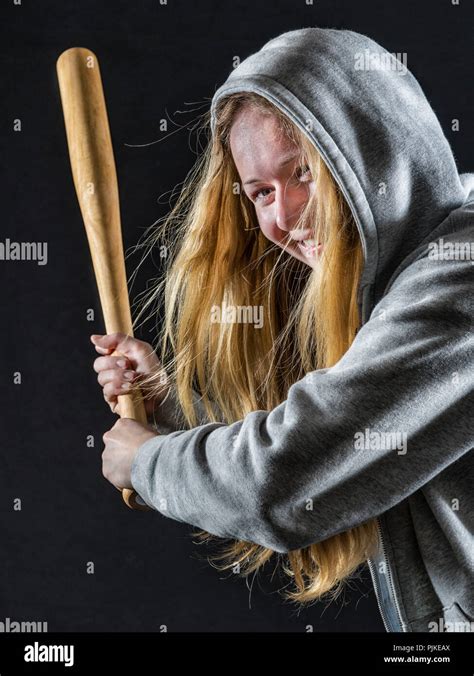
(386, 432)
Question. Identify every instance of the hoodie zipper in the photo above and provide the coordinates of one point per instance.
(377, 594)
(391, 589)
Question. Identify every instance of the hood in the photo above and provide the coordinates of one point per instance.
(368, 117)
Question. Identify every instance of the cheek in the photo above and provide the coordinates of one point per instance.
(268, 227)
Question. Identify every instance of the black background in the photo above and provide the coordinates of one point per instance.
(154, 60)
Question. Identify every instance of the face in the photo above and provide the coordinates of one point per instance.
(273, 179)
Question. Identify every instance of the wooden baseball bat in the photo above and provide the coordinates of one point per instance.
(95, 180)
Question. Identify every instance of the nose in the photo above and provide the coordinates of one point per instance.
(288, 206)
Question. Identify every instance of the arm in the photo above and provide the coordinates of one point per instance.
(307, 470)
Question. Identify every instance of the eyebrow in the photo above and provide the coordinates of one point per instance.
(283, 163)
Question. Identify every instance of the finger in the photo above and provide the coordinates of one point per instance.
(141, 354)
(117, 376)
(115, 389)
(120, 342)
(103, 350)
(105, 363)
(96, 339)
(112, 402)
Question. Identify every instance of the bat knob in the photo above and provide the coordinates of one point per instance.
(134, 501)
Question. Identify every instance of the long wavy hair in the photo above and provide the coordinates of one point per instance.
(216, 254)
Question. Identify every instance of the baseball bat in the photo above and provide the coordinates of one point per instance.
(95, 180)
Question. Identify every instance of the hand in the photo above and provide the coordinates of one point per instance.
(135, 360)
(122, 442)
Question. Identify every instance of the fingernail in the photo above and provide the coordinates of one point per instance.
(122, 363)
(126, 386)
(128, 375)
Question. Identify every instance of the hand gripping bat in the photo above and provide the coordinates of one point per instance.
(95, 180)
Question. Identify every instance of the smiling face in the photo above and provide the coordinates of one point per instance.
(274, 180)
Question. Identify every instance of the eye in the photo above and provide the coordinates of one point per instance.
(256, 195)
(303, 172)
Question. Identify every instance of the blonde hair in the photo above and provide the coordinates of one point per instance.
(218, 254)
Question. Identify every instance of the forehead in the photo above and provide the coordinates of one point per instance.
(256, 141)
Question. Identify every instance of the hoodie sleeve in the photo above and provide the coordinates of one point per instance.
(349, 442)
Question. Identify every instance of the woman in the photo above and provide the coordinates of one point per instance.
(316, 399)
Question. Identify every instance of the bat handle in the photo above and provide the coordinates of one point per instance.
(132, 406)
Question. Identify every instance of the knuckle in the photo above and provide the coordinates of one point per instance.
(141, 347)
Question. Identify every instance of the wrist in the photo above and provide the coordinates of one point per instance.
(152, 405)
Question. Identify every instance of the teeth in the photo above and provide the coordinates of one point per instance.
(309, 242)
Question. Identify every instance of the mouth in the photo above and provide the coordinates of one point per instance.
(308, 247)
